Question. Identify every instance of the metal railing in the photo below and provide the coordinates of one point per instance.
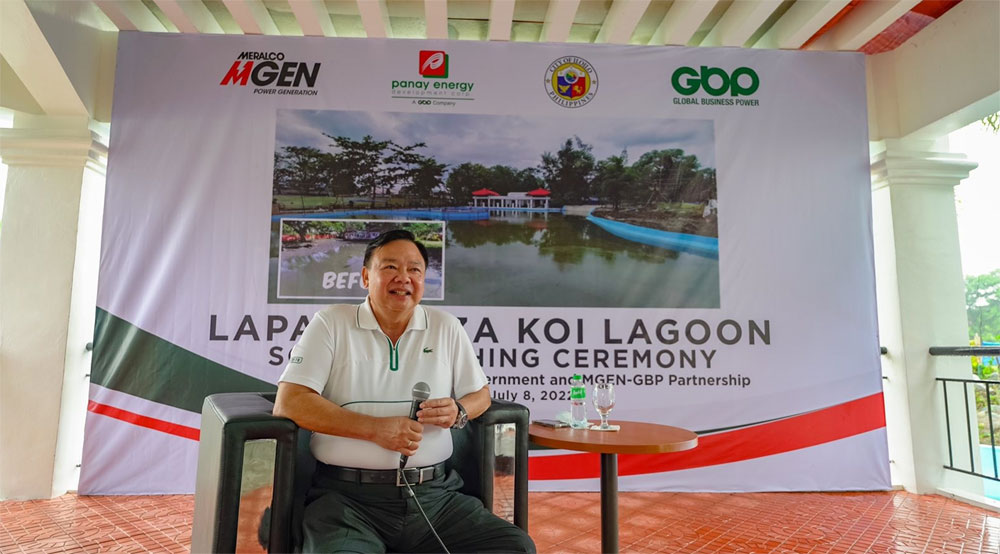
(991, 389)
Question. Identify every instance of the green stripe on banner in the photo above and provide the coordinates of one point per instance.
(130, 360)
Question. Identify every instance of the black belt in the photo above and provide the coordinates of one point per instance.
(414, 475)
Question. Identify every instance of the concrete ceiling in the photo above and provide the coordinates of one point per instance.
(786, 24)
(58, 56)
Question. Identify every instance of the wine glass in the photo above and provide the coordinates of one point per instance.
(604, 401)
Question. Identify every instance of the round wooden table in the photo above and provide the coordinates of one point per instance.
(633, 438)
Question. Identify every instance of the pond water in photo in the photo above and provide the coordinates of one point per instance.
(331, 269)
(525, 259)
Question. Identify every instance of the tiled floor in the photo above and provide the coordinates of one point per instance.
(570, 522)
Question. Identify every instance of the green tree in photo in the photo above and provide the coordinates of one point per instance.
(363, 162)
(567, 173)
(982, 305)
(614, 180)
(425, 232)
(501, 179)
(702, 187)
(662, 174)
(377, 167)
(402, 163)
(465, 179)
(426, 177)
(303, 171)
(528, 180)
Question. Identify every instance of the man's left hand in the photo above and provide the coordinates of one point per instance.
(438, 411)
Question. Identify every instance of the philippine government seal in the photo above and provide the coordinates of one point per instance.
(571, 81)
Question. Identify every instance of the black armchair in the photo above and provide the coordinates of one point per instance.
(243, 448)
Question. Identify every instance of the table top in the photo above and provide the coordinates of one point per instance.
(633, 438)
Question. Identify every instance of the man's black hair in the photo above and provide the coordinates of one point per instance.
(389, 236)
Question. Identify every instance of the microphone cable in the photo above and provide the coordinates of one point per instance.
(402, 475)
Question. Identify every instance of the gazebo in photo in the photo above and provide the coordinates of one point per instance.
(537, 199)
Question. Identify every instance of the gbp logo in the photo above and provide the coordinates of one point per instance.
(715, 81)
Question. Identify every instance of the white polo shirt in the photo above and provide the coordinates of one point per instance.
(344, 356)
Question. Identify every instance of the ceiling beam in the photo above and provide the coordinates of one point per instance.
(501, 19)
(681, 22)
(621, 20)
(740, 22)
(799, 24)
(862, 24)
(189, 16)
(24, 47)
(252, 16)
(375, 18)
(313, 18)
(436, 16)
(130, 15)
(558, 20)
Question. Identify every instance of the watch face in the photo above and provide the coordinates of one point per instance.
(462, 418)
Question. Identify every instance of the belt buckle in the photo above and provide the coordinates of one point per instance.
(401, 482)
(420, 475)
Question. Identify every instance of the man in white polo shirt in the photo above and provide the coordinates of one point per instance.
(350, 380)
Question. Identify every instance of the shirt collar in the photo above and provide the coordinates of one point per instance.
(366, 317)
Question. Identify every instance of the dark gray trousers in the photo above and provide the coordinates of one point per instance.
(342, 516)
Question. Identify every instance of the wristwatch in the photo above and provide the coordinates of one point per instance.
(462, 419)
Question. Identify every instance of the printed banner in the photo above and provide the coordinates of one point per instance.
(691, 225)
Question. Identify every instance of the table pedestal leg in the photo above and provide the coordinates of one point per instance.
(609, 503)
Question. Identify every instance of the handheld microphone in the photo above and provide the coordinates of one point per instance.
(421, 391)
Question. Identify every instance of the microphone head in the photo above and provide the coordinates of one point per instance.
(421, 391)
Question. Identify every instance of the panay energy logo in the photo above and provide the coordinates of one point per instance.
(435, 88)
(434, 64)
(571, 82)
(714, 86)
(271, 74)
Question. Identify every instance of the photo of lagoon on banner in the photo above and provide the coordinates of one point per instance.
(321, 258)
(535, 211)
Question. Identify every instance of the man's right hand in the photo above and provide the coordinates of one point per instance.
(400, 434)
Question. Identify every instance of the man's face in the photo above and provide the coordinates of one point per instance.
(395, 278)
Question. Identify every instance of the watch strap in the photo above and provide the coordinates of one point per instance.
(463, 417)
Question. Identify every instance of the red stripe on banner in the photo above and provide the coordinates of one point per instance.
(794, 433)
(175, 429)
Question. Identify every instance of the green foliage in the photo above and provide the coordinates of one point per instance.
(364, 163)
(304, 171)
(425, 178)
(305, 229)
(982, 305)
(381, 168)
(993, 122)
(427, 233)
(464, 179)
(568, 172)
(614, 180)
(680, 209)
(369, 167)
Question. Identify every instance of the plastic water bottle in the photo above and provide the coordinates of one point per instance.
(578, 403)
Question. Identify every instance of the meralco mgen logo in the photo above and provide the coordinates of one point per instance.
(272, 74)
(716, 82)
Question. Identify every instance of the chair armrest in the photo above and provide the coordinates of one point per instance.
(502, 411)
(475, 455)
(228, 420)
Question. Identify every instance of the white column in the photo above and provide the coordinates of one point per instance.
(921, 303)
(47, 299)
